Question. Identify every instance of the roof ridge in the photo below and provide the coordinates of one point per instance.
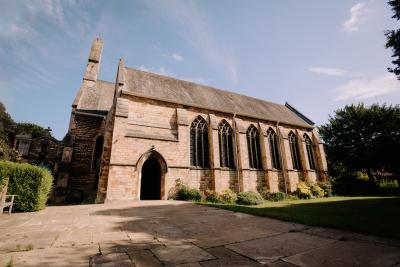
(203, 85)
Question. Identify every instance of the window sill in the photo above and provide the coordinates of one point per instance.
(226, 169)
(199, 168)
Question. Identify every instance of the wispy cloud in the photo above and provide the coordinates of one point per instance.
(357, 16)
(174, 56)
(368, 87)
(26, 45)
(193, 26)
(329, 71)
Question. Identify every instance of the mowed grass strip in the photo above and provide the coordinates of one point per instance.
(367, 215)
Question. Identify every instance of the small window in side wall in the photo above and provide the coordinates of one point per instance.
(253, 146)
(274, 149)
(310, 151)
(44, 147)
(199, 147)
(225, 139)
(294, 151)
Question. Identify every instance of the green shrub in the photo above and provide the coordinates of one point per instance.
(31, 183)
(249, 198)
(4, 174)
(276, 196)
(187, 193)
(386, 183)
(212, 196)
(303, 191)
(292, 197)
(317, 191)
(228, 196)
(327, 187)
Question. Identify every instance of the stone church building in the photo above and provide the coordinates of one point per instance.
(134, 138)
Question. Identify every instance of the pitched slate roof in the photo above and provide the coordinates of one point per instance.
(150, 85)
(97, 99)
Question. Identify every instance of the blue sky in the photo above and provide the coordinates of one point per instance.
(316, 55)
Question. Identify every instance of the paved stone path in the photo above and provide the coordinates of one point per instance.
(173, 233)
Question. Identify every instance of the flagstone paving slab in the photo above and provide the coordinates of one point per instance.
(270, 249)
(177, 233)
(347, 253)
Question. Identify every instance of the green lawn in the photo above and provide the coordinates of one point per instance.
(369, 215)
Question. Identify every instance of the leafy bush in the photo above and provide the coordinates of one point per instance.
(187, 193)
(6, 152)
(327, 187)
(277, 196)
(386, 183)
(212, 196)
(303, 191)
(228, 196)
(316, 190)
(31, 183)
(292, 197)
(249, 198)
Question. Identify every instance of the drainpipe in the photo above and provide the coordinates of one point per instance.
(284, 169)
(236, 152)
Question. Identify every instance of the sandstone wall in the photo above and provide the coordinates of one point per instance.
(150, 126)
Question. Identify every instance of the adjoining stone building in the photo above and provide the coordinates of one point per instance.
(134, 138)
(42, 150)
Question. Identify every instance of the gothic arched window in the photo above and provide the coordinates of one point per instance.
(310, 151)
(225, 136)
(274, 149)
(253, 145)
(199, 151)
(294, 151)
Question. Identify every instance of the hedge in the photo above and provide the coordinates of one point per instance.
(31, 183)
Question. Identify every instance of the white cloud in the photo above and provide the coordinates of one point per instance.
(357, 15)
(174, 56)
(193, 26)
(164, 71)
(368, 87)
(329, 71)
(144, 68)
(53, 8)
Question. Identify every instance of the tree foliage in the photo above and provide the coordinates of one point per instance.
(9, 128)
(34, 129)
(393, 39)
(360, 138)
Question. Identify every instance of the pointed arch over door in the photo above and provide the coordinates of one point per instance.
(152, 169)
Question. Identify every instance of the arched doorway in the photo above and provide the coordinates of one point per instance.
(150, 187)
